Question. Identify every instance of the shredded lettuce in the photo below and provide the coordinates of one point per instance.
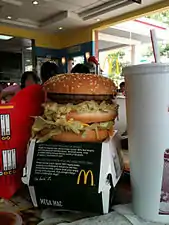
(54, 119)
(62, 125)
(54, 110)
(49, 135)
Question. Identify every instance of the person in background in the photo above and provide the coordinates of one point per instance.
(80, 68)
(48, 70)
(29, 78)
(3, 86)
(122, 87)
(94, 65)
(8, 92)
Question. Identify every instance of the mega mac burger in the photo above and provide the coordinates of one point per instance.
(81, 109)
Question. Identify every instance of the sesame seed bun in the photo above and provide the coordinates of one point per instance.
(88, 84)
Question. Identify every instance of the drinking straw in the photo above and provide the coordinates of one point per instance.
(154, 42)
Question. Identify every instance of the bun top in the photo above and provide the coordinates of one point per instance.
(89, 84)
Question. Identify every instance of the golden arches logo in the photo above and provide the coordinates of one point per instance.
(7, 138)
(86, 174)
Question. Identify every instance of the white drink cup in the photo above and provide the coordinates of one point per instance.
(147, 90)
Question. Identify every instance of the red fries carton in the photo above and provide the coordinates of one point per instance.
(16, 120)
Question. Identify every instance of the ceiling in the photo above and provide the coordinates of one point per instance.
(55, 15)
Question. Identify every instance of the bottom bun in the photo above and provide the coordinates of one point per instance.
(90, 136)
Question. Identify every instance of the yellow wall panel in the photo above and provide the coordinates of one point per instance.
(75, 36)
(41, 39)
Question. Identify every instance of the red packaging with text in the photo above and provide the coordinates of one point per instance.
(16, 120)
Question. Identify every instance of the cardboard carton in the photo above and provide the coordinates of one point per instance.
(74, 176)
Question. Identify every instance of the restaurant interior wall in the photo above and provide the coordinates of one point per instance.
(44, 40)
(11, 66)
(45, 44)
(74, 51)
(74, 42)
(54, 45)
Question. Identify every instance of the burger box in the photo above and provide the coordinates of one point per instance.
(74, 176)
